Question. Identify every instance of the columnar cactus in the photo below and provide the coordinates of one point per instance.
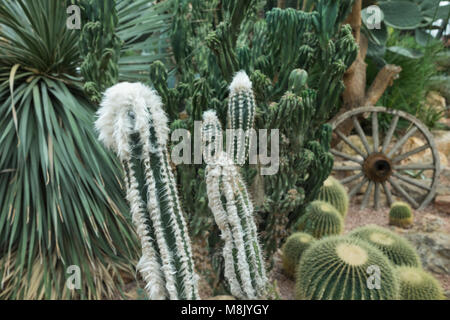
(338, 268)
(417, 284)
(396, 248)
(335, 194)
(400, 214)
(321, 219)
(131, 121)
(293, 249)
(241, 116)
(233, 212)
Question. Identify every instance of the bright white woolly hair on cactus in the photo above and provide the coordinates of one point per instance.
(210, 116)
(240, 82)
(125, 97)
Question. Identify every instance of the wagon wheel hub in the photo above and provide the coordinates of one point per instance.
(377, 167)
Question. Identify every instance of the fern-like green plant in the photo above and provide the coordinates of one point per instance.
(338, 268)
(396, 248)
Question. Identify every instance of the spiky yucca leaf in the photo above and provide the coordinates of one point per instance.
(55, 210)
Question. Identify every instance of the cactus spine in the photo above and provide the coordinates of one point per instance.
(416, 284)
(400, 214)
(241, 116)
(334, 193)
(293, 249)
(320, 220)
(233, 212)
(336, 268)
(132, 123)
(396, 248)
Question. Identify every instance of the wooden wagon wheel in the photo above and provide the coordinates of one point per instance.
(382, 165)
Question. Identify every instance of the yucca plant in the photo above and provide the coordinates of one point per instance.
(55, 210)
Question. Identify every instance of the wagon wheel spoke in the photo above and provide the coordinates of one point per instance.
(367, 194)
(418, 166)
(388, 193)
(361, 134)
(376, 197)
(403, 193)
(347, 168)
(352, 178)
(410, 153)
(387, 139)
(375, 131)
(346, 156)
(347, 141)
(402, 141)
(411, 181)
(358, 187)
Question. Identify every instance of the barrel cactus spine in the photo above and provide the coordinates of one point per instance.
(336, 268)
(233, 212)
(417, 284)
(292, 250)
(401, 214)
(396, 248)
(131, 121)
(241, 117)
(321, 219)
(335, 194)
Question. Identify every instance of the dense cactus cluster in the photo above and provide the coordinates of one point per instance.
(131, 121)
(321, 219)
(292, 250)
(233, 212)
(401, 214)
(396, 248)
(100, 46)
(417, 284)
(334, 193)
(233, 37)
(336, 268)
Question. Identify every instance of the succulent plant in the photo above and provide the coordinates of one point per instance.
(396, 248)
(400, 214)
(132, 122)
(241, 117)
(233, 212)
(417, 284)
(321, 219)
(342, 268)
(335, 194)
(292, 250)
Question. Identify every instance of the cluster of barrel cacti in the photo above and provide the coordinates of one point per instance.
(370, 263)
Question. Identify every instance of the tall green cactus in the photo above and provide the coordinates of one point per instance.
(100, 46)
(131, 121)
(233, 212)
(241, 116)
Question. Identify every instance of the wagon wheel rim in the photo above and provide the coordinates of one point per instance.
(379, 166)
